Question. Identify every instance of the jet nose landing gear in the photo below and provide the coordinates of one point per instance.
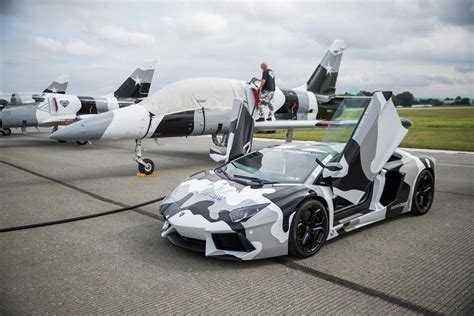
(220, 139)
(145, 165)
(6, 131)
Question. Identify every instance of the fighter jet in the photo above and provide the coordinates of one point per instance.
(59, 86)
(204, 106)
(52, 109)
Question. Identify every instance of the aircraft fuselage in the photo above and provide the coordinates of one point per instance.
(58, 109)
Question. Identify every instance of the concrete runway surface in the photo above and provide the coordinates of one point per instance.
(119, 264)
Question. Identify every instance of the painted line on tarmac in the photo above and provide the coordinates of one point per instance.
(450, 152)
(356, 287)
(83, 191)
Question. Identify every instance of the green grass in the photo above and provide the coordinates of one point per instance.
(433, 128)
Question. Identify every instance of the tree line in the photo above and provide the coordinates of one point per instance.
(407, 98)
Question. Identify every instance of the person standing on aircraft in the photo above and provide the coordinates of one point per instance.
(267, 90)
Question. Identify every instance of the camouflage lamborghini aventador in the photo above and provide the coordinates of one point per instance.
(291, 198)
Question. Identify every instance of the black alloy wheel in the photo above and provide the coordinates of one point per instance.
(423, 194)
(309, 229)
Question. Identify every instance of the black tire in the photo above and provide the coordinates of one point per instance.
(7, 132)
(81, 142)
(309, 229)
(423, 194)
(62, 141)
(148, 168)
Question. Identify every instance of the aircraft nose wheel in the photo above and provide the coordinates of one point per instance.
(6, 132)
(147, 168)
(220, 139)
(145, 165)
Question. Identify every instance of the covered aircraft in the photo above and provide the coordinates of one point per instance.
(203, 106)
(52, 109)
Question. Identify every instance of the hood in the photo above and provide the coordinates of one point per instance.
(208, 194)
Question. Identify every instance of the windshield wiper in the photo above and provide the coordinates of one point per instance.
(256, 180)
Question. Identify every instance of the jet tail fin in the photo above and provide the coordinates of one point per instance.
(240, 134)
(59, 85)
(323, 80)
(138, 83)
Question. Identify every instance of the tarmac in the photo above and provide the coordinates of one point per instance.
(120, 264)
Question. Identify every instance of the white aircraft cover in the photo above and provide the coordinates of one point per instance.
(193, 94)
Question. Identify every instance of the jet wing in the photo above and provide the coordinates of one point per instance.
(286, 124)
(291, 124)
(60, 119)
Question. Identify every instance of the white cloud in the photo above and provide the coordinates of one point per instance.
(73, 46)
(197, 24)
(423, 46)
(122, 36)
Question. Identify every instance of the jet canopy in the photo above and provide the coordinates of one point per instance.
(193, 94)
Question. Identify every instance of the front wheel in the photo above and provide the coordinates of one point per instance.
(309, 229)
(147, 168)
(423, 194)
(81, 142)
(7, 132)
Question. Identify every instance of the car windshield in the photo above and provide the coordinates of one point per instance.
(275, 164)
(346, 117)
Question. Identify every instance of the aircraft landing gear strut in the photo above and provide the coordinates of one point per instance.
(5, 131)
(145, 165)
(220, 139)
(289, 135)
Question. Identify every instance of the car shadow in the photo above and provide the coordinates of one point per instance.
(144, 243)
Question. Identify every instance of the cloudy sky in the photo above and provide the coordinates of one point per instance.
(423, 46)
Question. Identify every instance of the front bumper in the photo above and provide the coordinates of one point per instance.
(194, 232)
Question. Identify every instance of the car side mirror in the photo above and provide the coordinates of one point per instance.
(333, 166)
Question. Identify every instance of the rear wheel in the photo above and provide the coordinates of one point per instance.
(81, 142)
(423, 194)
(309, 229)
(7, 132)
(147, 168)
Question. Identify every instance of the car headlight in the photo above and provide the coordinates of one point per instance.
(243, 213)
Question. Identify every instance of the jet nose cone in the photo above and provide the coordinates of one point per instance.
(91, 128)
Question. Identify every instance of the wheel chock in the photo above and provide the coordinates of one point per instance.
(139, 174)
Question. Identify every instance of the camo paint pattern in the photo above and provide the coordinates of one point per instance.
(201, 205)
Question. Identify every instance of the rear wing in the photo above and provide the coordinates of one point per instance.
(137, 85)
